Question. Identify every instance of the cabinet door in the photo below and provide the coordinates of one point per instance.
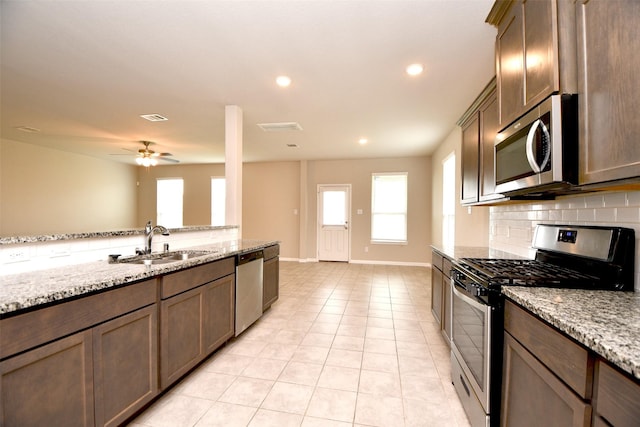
(609, 93)
(488, 132)
(446, 308)
(616, 396)
(271, 282)
(540, 52)
(219, 303)
(125, 365)
(510, 65)
(180, 335)
(49, 386)
(436, 294)
(533, 396)
(470, 160)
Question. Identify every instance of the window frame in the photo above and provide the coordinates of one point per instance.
(402, 212)
(162, 221)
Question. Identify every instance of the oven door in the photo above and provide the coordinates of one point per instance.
(471, 340)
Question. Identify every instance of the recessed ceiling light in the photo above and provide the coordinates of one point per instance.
(363, 141)
(283, 81)
(154, 117)
(415, 69)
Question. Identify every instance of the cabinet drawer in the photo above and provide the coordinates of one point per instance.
(616, 396)
(567, 359)
(271, 252)
(436, 260)
(35, 328)
(175, 283)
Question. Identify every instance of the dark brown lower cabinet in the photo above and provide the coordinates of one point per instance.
(436, 294)
(616, 397)
(125, 352)
(49, 386)
(193, 325)
(533, 396)
(270, 291)
(219, 314)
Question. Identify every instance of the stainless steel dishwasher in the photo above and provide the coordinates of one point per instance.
(248, 289)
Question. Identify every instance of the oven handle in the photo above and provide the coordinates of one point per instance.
(466, 298)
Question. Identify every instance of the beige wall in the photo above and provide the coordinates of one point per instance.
(358, 174)
(48, 191)
(270, 194)
(45, 191)
(197, 191)
(472, 224)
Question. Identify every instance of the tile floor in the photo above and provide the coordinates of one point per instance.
(345, 345)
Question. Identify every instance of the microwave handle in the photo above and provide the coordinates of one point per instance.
(531, 158)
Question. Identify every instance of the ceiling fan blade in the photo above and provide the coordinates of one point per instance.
(168, 159)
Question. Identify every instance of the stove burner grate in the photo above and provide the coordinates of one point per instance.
(530, 273)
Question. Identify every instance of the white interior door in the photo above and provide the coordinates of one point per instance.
(334, 205)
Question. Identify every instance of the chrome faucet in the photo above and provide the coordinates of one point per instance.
(149, 230)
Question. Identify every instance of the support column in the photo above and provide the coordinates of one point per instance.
(233, 165)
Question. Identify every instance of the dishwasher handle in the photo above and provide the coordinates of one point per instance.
(249, 256)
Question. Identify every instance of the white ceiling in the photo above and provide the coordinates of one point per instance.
(82, 72)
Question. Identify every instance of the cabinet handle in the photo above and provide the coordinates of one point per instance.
(531, 158)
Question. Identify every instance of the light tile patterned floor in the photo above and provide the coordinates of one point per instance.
(345, 345)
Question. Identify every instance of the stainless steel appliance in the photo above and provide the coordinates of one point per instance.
(249, 270)
(538, 153)
(566, 256)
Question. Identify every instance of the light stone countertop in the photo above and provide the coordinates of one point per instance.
(606, 322)
(29, 290)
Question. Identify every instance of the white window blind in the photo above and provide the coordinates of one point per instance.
(218, 201)
(169, 202)
(389, 207)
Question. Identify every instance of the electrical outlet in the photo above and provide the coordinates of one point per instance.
(366, 248)
(16, 255)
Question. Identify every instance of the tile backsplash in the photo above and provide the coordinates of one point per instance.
(511, 227)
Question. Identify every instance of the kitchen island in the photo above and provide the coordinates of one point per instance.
(93, 343)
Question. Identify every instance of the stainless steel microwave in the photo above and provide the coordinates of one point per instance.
(538, 153)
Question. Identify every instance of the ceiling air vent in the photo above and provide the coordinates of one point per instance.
(292, 145)
(278, 127)
(154, 117)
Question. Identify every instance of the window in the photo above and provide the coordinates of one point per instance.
(449, 200)
(389, 207)
(218, 200)
(169, 202)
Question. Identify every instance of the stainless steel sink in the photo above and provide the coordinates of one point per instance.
(164, 257)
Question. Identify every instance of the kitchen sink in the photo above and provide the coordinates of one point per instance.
(164, 257)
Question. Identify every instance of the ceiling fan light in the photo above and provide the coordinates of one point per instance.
(153, 162)
(139, 160)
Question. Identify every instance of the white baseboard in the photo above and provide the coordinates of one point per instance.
(354, 261)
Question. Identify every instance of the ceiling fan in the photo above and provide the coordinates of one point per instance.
(147, 157)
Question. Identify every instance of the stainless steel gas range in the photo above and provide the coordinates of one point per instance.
(567, 256)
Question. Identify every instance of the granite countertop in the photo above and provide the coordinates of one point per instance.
(606, 322)
(28, 290)
(91, 235)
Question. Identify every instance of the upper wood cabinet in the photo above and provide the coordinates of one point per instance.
(479, 128)
(609, 93)
(535, 53)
